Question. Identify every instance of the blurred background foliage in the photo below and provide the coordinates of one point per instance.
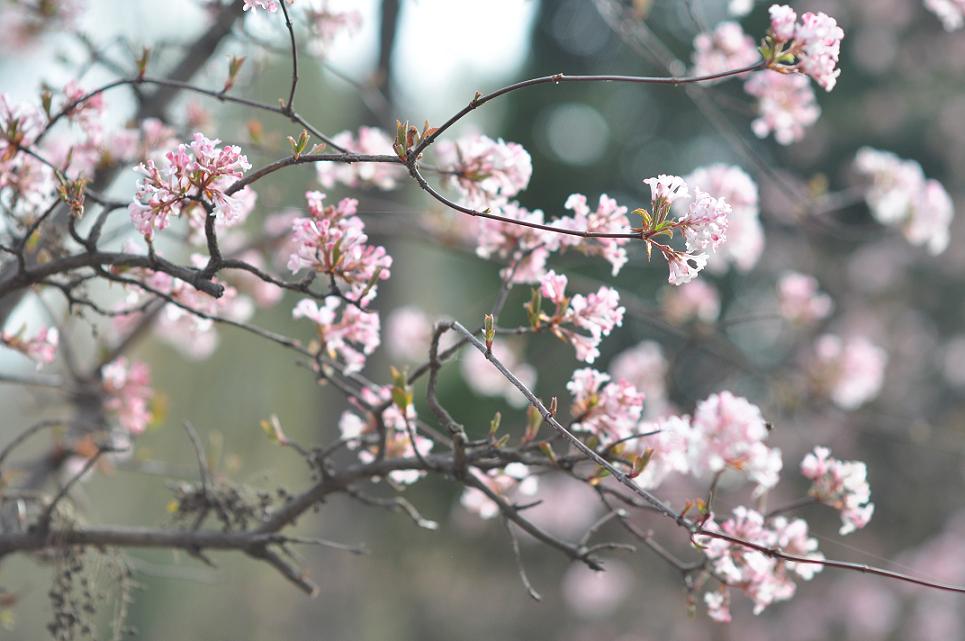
(902, 89)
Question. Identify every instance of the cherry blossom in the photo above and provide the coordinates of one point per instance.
(40, 348)
(332, 241)
(349, 337)
(608, 217)
(850, 371)
(485, 171)
(127, 386)
(842, 485)
(813, 44)
(899, 194)
(514, 480)
(745, 235)
(370, 141)
(703, 226)
(696, 300)
(362, 432)
(950, 12)
(198, 170)
(765, 580)
(725, 48)
(609, 411)
(596, 314)
(786, 105)
(729, 432)
(800, 301)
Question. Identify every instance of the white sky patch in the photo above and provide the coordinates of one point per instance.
(445, 48)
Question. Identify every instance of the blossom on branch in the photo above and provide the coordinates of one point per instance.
(745, 235)
(608, 217)
(596, 314)
(484, 171)
(842, 485)
(201, 171)
(526, 248)
(703, 226)
(810, 46)
(607, 410)
(763, 578)
(349, 337)
(332, 241)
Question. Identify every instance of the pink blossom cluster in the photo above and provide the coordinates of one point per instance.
(786, 105)
(842, 485)
(762, 578)
(360, 429)
(608, 217)
(40, 348)
(483, 378)
(703, 226)
(899, 194)
(349, 337)
(725, 48)
(509, 483)
(369, 141)
(728, 432)
(814, 43)
(850, 371)
(645, 367)
(610, 411)
(745, 234)
(950, 12)
(127, 386)
(800, 299)
(199, 170)
(693, 301)
(484, 171)
(332, 241)
(595, 314)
